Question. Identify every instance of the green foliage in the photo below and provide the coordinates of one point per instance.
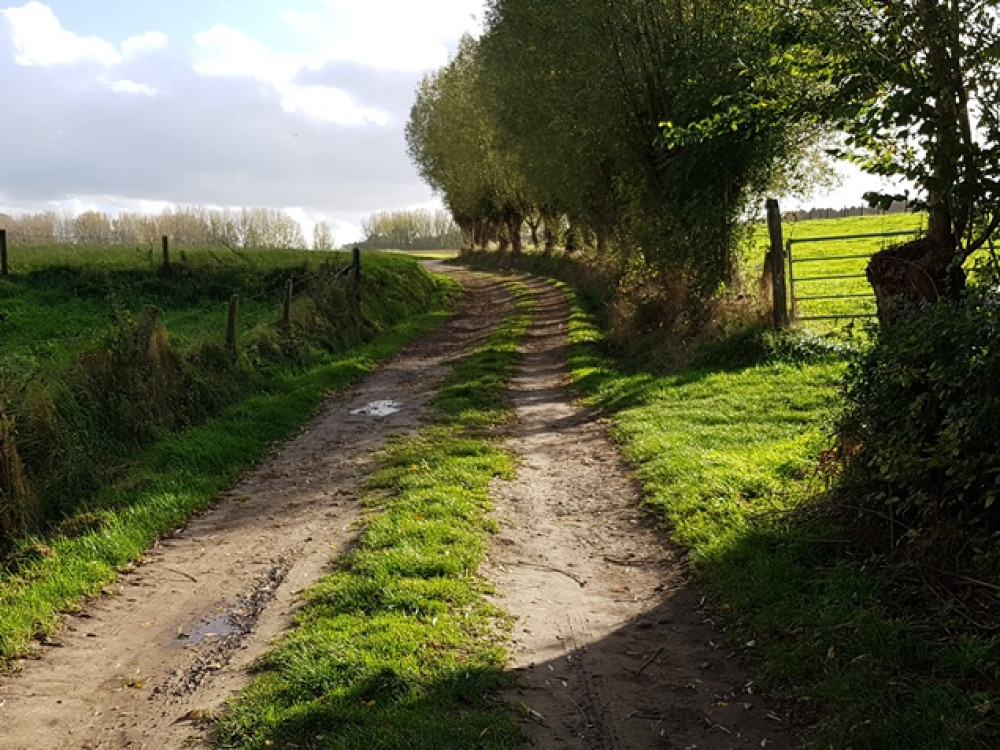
(760, 344)
(920, 433)
(165, 484)
(115, 374)
(411, 230)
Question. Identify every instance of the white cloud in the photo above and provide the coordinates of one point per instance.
(314, 121)
(225, 51)
(388, 34)
(330, 105)
(39, 39)
(151, 41)
(125, 86)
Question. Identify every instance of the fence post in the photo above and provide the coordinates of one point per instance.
(356, 273)
(166, 253)
(3, 254)
(286, 308)
(234, 307)
(777, 260)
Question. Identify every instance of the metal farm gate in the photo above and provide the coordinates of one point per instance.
(826, 283)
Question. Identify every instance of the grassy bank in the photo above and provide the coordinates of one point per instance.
(398, 648)
(155, 485)
(731, 459)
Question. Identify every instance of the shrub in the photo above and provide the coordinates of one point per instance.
(920, 431)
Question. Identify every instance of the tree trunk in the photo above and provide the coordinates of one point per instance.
(552, 226)
(534, 221)
(925, 270)
(930, 268)
(514, 222)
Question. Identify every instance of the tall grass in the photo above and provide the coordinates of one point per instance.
(102, 351)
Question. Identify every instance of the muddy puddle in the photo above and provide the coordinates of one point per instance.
(378, 409)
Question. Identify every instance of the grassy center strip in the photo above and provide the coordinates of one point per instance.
(398, 648)
(729, 457)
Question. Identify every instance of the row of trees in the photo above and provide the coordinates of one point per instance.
(651, 126)
(244, 228)
(410, 230)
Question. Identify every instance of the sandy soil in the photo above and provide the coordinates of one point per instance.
(611, 644)
(142, 667)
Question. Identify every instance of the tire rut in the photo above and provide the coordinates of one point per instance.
(611, 646)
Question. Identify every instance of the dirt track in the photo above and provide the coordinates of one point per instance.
(141, 668)
(612, 648)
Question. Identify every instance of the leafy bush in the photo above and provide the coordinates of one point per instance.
(760, 344)
(920, 431)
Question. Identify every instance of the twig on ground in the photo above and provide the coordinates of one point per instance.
(649, 661)
(180, 573)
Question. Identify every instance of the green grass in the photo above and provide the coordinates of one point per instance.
(729, 459)
(58, 298)
(159, 486)
(398, 648)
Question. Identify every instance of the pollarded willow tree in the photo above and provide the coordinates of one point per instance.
(452, 138)
(584, 87)
(927, 108)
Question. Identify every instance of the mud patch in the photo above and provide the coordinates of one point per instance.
(216, 639)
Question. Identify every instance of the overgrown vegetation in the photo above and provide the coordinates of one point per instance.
(397, 648)
(921, 445)
(736, 456)
(108, 438)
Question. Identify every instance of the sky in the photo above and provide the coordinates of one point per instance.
(142, 104)
(292, 104)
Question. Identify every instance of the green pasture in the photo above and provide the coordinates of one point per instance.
(59, 297)
(819, 259)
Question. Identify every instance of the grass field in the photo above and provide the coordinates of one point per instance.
(59, 296)
(810, 260)
(731, 459)
(121, 429)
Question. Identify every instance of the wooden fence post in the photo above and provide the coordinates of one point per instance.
(286, 308)
(356, 273)
(777, 261)
(3, 254)
(166, 253)
(234, 307)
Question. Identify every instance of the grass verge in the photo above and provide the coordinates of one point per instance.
(397, 648)
(729, 458)
(168, 482)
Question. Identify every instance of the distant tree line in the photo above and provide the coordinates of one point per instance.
(243, 228)
(850, 212)
(411, 230)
